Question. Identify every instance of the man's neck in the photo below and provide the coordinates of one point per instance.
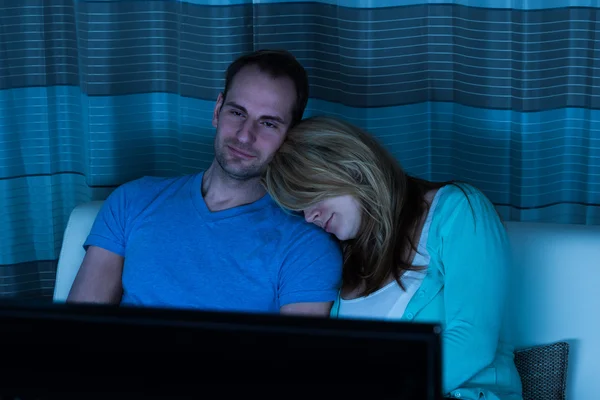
(222, 192)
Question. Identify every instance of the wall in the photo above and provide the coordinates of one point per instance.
(556, 279)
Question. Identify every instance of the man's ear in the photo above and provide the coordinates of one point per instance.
(217, 110)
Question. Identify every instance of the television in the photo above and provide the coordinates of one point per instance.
(62, 351)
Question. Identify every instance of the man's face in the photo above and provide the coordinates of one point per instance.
(252, 122)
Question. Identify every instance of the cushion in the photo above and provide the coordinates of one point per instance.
(543, 371)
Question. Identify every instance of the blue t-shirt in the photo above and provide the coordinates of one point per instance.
(252, 258)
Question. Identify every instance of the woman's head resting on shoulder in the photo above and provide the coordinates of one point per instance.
(340, 177)
(335, 173)
(347, 183)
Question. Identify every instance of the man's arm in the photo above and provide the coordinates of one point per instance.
(99, 279)
(311, 274)
(320, 309)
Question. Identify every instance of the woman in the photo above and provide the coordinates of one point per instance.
(414, 250)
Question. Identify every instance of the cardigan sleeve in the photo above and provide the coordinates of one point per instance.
(474, 254)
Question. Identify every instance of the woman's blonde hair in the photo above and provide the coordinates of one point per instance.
(323, 157)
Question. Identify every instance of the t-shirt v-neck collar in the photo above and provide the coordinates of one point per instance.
(205, 213)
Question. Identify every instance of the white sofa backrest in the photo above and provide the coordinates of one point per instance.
(555, 283)
(72, 252)
(555, 277)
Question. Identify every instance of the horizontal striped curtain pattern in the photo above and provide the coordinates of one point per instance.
(502, 94)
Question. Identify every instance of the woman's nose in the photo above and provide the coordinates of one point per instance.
(311, 214)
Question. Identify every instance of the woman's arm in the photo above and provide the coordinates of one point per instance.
(475, 256)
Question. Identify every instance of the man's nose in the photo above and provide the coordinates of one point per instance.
(246, 132)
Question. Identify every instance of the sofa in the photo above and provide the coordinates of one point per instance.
(552, 308)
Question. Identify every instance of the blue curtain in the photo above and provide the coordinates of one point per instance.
(503, 94)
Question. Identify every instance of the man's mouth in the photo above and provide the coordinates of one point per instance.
(240, 153)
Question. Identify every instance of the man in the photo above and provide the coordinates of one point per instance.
(215, 240)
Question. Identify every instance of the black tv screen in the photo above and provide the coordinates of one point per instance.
(96, 352)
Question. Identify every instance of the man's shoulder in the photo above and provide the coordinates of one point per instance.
(291, 219)
(138, 193)
(152, 186)
(149, 183)
(297, 228)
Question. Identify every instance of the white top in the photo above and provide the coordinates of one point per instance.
(390, 301)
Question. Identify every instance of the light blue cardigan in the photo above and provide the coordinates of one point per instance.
(465, 291)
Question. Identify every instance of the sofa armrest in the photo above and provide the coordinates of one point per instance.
(72, 252)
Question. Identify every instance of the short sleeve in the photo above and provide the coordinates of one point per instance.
(109, 228)
(311, 270)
